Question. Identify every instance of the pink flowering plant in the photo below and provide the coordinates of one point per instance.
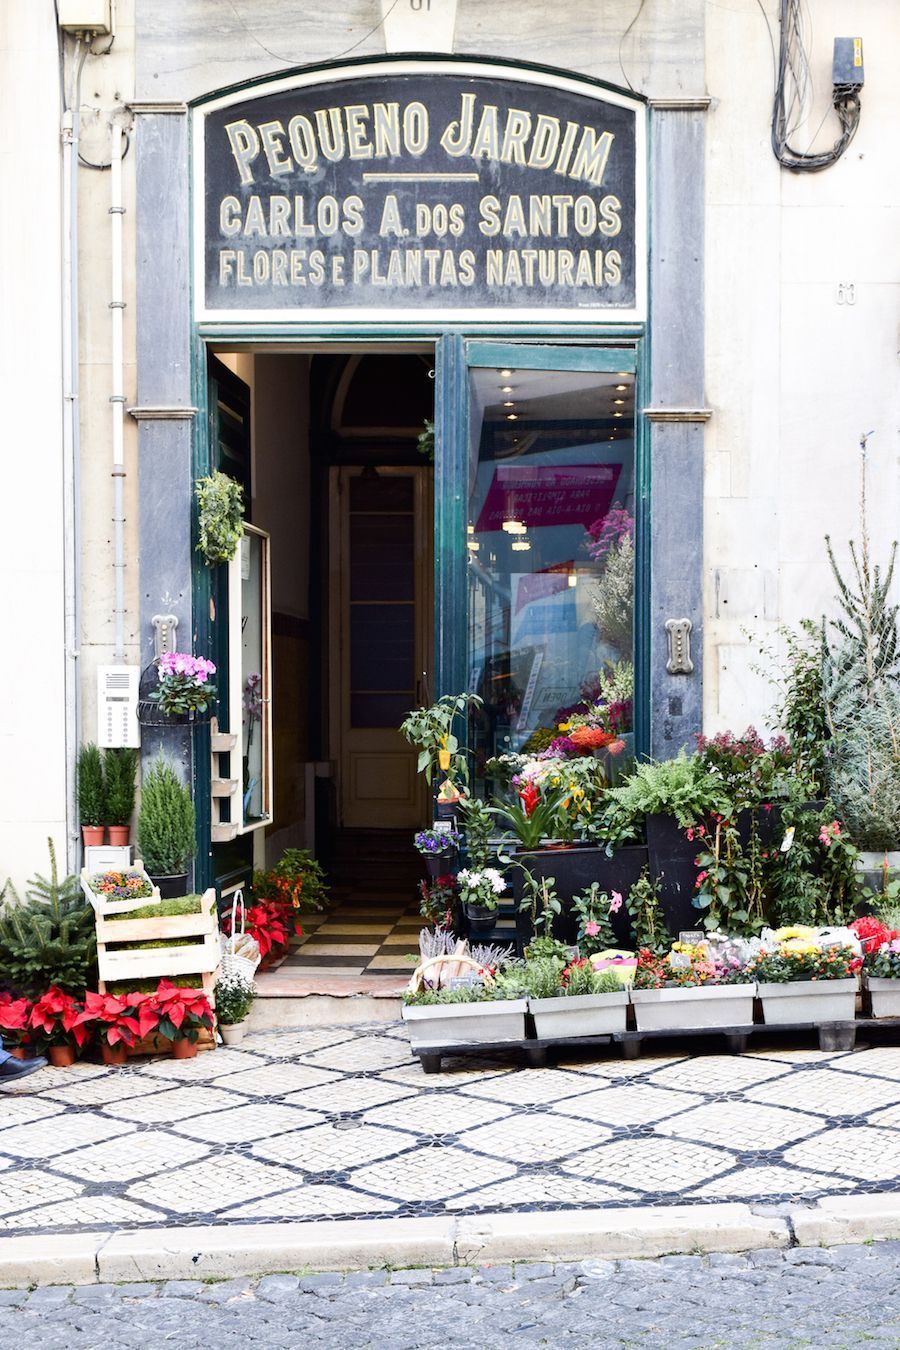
(884, 964)
(184, 684)
(593, 909)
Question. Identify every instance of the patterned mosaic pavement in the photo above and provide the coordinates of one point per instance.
(341, 1122)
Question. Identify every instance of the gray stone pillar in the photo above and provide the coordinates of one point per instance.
(163, 411)
(676, 415)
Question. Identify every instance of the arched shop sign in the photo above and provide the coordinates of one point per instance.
(428, 188)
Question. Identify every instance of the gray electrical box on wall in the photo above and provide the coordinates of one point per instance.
(847, 71)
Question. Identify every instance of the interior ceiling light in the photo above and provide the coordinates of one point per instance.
(509, 404)
(514, 527)
(470, 529)
(474, 545)
(512, 417)
(623, 374)
(620, 388)
(617, 414)
(506, 389)
(521, 546)
(618, 400)
(505, 373)
(573, 578)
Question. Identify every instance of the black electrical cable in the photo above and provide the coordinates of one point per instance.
(793, 69)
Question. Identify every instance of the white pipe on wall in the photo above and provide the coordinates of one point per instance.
(71, 450)
(117, 397)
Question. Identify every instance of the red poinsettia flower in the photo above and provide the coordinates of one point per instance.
(119, 1020)
(55, 1016)
(181, 1012)
(13, 1013)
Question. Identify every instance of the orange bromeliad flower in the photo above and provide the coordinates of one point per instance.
(591, 738)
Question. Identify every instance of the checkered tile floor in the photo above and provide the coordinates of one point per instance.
(374, 934)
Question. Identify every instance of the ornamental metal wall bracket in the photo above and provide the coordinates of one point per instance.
(164, 633)
(678, 632)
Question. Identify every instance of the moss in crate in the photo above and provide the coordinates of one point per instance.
(152, 944)
(120, 987)
(166, 909)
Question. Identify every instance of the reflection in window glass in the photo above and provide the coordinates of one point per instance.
(252, 678)
(551, 552)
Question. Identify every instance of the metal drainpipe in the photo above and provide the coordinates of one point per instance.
(117, 397)
(71, 452)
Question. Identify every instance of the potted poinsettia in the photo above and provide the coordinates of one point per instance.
(119, 1020)
(800, 981)
(181, 1014)
(54, 1020)
(690, 988)
(14, 1025)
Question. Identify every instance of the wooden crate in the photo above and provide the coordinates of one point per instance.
(103, 907)
(195, 958)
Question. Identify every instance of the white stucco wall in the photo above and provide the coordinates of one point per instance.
(32, 728)
(793, 376)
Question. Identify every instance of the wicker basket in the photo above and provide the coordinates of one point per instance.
(240, 950)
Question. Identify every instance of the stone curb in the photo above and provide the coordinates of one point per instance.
(348, 1244)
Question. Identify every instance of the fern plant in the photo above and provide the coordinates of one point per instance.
(679, 787)
(47, 938)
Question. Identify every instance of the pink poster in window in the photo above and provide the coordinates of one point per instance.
(541, 495)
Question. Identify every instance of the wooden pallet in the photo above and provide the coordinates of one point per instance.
(833, 1037)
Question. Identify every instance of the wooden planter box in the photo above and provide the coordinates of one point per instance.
(191, 958)
(103, 907)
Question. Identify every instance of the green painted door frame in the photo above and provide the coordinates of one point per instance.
(596, 349)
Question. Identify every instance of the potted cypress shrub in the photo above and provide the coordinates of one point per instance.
(166, 829)
(121, 767)
(91, 794)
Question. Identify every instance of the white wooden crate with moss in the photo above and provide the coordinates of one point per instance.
(161, 942)
(104, 906)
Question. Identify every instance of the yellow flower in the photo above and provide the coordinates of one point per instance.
(798, 930)
(563, 726)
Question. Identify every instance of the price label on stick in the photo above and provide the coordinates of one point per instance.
(788, 839)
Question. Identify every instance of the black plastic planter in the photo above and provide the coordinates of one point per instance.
(441, 864)
(171, 886)
(573, 870)
(480, 919)
(673, 865)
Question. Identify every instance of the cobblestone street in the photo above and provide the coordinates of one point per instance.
(843, 1297)
(342, 1123)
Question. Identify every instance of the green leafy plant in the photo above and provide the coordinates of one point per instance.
(580, 978)
(679, 787)
(800, 710)
(234, 999)
(814, 880)
(537, 815)
(593, 909)
(431, 731)
(730, 880)
(91, 786)
(121, 768)
(425, 442)
(541, 901)
(296, 879)
(166, 823)
(220, 507)
(478, 823)
(645, 913)
(48, 937)
(541, 977)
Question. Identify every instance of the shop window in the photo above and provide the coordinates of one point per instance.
(250, 680)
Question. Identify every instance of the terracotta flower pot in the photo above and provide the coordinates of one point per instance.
(92, 835)
(119, 835)
(61, 1056)
(182, 1048)
(114, 1054)
(18, 1052)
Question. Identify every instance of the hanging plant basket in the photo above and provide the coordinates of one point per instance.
(150, 714)
(220, 510)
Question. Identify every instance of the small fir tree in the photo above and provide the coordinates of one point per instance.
(121, 767)
(49, 937)
(166, 822)
(91, 786)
